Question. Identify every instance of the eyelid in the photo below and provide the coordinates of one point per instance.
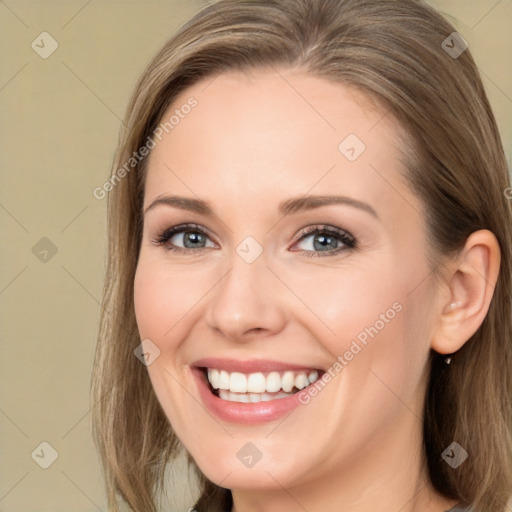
(327, 228)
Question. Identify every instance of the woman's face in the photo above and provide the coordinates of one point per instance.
(279, 286)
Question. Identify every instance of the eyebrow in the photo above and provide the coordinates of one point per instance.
(290, 206)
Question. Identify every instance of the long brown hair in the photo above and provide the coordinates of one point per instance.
(392, 50)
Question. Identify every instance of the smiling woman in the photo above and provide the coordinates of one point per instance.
(313, 268)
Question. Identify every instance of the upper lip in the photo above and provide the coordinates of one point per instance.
(249, 366)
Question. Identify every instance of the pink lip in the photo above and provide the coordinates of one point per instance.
(243, 413)
(251, 366)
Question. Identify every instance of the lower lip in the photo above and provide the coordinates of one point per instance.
(247, 413)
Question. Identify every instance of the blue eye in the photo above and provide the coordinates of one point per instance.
(331, 238)
(194, 238)
(191, 234)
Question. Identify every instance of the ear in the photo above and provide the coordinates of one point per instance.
(467, 292)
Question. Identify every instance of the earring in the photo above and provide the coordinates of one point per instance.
(448, 360)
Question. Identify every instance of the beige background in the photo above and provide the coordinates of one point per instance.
(60, 118)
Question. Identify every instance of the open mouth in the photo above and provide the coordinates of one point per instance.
(260, 386)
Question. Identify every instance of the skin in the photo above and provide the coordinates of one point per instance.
(251, 142)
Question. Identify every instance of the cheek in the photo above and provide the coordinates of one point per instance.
(149, 299)
(164, 300)
(379, 321)
(348, 302)
(395, 347)
(164, 308)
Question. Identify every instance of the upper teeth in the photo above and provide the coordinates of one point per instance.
(260, 383)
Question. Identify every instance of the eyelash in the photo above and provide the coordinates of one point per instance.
(348, 241)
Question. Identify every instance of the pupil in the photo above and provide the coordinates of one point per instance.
(324, 241)
(192, 237)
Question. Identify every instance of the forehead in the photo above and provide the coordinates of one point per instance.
(276, 131)
(280, 102)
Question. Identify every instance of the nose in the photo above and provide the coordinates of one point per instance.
(246, 302)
